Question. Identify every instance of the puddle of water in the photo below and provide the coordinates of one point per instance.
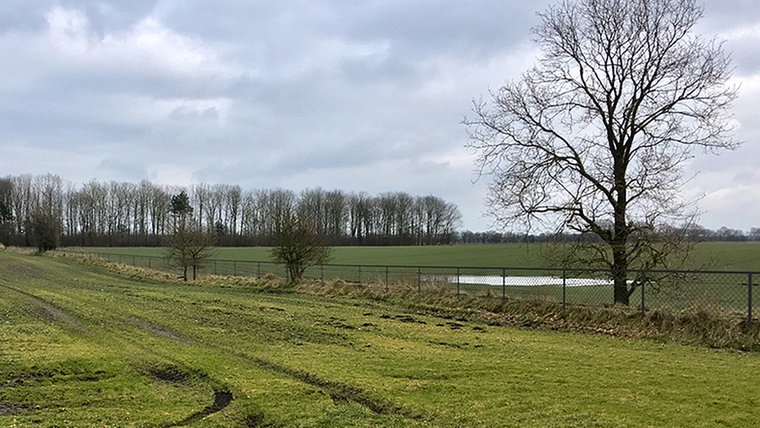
(523, 281)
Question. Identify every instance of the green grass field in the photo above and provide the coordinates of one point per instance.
(733, 256)
(83, 346)
(726, 293)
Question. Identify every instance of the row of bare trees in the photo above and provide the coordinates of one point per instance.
(122, 213)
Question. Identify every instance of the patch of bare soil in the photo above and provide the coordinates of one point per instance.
(7, 409)
(157, 329)
(172, 373)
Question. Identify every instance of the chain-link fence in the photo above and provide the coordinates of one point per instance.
(732, 293)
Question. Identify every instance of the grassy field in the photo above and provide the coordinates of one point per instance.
(736, 256)
(83, 346)
(726, 293)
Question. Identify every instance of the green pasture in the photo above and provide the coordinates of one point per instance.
(440, 265)
(731, 256)
(511, 255)
(83, 346)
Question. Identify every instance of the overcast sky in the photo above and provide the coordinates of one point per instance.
(338, 94)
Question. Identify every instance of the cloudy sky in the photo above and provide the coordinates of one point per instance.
(339, 94)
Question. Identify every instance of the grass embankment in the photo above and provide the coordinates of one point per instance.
(86, 346)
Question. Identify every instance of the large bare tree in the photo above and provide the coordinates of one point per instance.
(594, 137)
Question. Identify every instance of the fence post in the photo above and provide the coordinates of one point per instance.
(419, 280)
(322, 273)
(564, 289)
(360, 274)
(457, 282)
(258, 269)
(503, 286)
(386, 279)
(643, 281)
(749, 299)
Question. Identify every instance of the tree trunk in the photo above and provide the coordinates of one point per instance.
(620, 277)
(620, 236)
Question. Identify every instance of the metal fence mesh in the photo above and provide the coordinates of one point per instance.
(712, 291)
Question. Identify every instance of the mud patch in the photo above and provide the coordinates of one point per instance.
(404, 318)
(168, 373)
(157, 329)
(256, 420)
(24, 377)
(450, 345)
(339, 323)
(454, 325)
(8, 409)
(176, 374)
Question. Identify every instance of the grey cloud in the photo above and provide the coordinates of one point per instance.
(360, 96)
(470, 29)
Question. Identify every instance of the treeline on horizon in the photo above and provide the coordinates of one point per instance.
(138, 214)
(694, 234)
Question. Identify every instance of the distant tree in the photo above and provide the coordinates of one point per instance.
(46, 230)
(180, 207)
(6, 195)
(299, 245)
(5, 213)
(189, 246)
(593, 139)
(6, 216)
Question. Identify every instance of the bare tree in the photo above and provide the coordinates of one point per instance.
(188, 247)
(233, 196)
(6, 211)
(359, 213)
(200, 194)
(46, 221)
(593, 138)
(299, 245)
(336, 215)
(311, 207)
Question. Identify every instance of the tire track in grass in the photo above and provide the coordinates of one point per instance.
(222, 396)
(157, 330)
(340, 392)
(52, 311)
(179, 373)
